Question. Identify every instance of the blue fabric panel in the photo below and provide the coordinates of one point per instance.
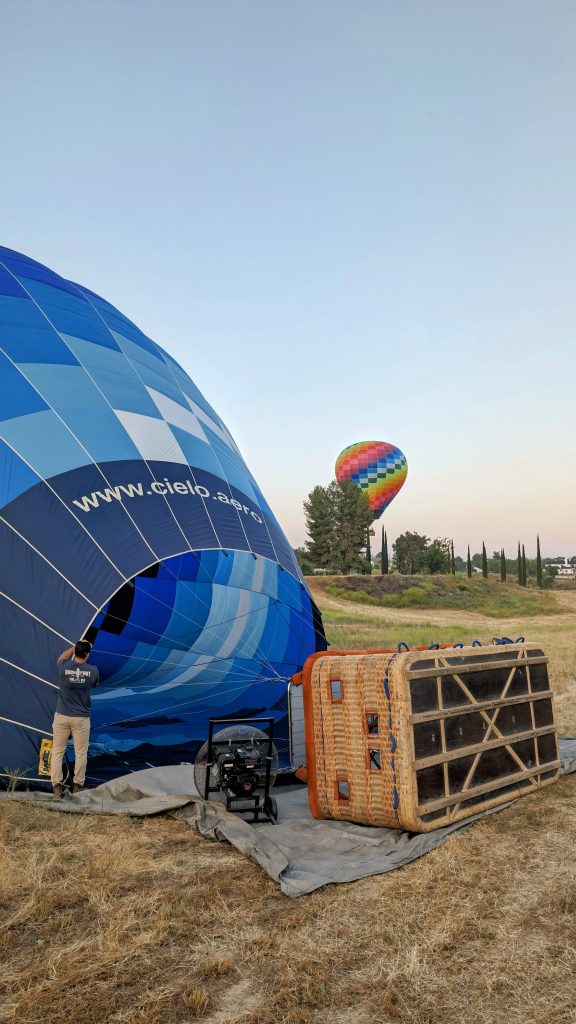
(115, 524)
(50, 598)
(45, 442)
(193, 605)
(20, 748)
(191, 514)
(117, 322)
(15, 476)
(271, 574)
(111, 653)
(70, 313)
(114, 376)
(135, 344)
(26, 699)
(189, 388)
(76, 398)
(225, 565)
(27, 337)
(23, 266)
(250, 643)
(151, 369)
(43, 520)
(227, 521)
(17, 396)
(207, 569)
(284, 552)
(257, 533)
(231, 467)
(222, 615)
(160, 379)
(25, 641)
(149, 621)
(9, 285)
(197, 452)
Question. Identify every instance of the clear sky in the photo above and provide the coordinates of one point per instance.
(347, 219)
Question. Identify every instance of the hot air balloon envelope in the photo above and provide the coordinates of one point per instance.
(379, 468)
(128, 516)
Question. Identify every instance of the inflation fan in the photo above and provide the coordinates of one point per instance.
(238, 765)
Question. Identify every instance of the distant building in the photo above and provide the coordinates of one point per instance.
(564, 569)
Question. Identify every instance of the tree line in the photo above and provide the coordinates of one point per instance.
(338, 519)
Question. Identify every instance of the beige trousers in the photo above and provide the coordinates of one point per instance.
(63, 727)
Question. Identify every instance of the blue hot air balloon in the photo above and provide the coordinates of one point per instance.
(128, 516)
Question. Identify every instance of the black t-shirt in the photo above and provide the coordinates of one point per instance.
(76, 682)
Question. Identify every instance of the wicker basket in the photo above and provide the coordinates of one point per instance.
(424, 738)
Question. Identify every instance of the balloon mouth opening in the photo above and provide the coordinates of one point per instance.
(152, 621)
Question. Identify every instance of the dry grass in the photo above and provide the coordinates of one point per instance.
(113, 921)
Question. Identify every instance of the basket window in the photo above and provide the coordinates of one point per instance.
(372, 724)
(374, 761)
(336, 689)
(343, 790)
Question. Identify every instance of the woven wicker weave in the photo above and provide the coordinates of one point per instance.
(420, 739)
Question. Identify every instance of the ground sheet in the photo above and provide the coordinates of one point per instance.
(300, 853)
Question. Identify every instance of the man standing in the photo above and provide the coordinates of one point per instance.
(72, 715)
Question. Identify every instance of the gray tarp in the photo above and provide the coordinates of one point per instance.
(300, 853)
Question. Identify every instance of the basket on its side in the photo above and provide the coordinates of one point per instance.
(424, 738)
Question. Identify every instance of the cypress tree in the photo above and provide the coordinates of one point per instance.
(519, 566)
(368, 554)
(469, 563)
(502, 566)
(384, 564)
(452, 562)
(524, 574)
(484, 562)
(539, 578)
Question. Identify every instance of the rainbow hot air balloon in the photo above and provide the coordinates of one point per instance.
(377, 467)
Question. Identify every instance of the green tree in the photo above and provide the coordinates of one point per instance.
(469, 563)
(384, 564)
(319, 517)
(452, 562)
(407, 547)
(502, 566)
(524, 573)
(352, 516)
(337, 520)
(519, 565)
(303, 559)
(435, 558)
(539, 577)
(484, 562)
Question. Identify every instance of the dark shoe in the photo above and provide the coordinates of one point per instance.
(77, 788)
(57, 791)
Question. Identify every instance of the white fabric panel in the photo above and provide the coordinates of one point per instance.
(153, 438)
(177, 415)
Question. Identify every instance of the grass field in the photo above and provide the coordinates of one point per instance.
(116, 920)
(488, 596)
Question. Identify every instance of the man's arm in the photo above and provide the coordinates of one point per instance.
(66, 654)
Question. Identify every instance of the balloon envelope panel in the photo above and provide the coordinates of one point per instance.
(377, 467)
(128, 515)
